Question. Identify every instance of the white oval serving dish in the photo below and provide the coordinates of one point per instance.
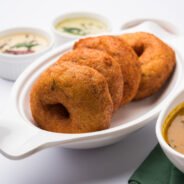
(20, 137)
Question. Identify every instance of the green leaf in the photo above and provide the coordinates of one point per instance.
(27, 45)
(74, 30)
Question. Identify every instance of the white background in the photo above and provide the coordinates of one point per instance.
(109, 165)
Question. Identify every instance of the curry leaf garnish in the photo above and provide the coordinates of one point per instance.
(74, 30)
(27, 45)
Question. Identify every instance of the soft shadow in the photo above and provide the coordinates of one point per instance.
(67, 166)
(4, 132)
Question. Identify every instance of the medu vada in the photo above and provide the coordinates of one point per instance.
(103, 63)
(71, 98)
(124, 55)
(157, 61)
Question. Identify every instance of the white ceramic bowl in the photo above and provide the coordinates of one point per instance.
(64, 37)
(20, 136)
(11, 66)
(175, 157)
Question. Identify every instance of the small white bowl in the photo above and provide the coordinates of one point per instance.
(64, 37)
(11, 66)
(175, 157)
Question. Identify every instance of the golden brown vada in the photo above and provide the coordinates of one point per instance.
(71, 98)
(103, 63)
(157, 61)
(122, 54)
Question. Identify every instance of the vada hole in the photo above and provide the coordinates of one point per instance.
(139, 50)
(59, 109)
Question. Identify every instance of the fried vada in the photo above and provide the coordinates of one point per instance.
(103, 63)
(122, 54)
(157, 61)
(71, 98)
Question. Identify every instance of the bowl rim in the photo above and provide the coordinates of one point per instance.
(141, 120)
(160, 121)
(66, 15)
(28, 29)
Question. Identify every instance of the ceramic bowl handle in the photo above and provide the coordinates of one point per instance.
(19, 139)
(14, 136)
(165, 26)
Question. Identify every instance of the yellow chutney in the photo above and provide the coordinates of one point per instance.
(173, 128)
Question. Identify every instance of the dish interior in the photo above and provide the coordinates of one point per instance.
(134, 112)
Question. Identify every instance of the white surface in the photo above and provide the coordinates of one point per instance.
(112, 164)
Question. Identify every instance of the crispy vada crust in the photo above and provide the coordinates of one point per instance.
(70, 98)
(157, 61)
(122, 54)
(103, 63)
